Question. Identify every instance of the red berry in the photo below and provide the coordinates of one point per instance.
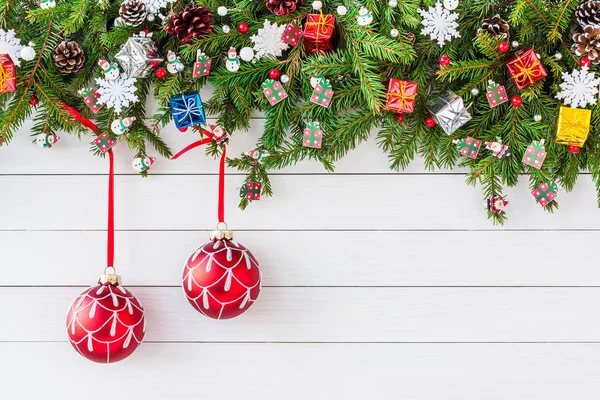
(160, 73)
(430, 122)
(400, 118)
(183, 129)
(585, 62)
(33, 100)
(503, 47)
(574, 149)
(444, 61)
(243, 27)
(274, 74)
(516, 101)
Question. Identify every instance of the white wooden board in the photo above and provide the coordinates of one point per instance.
(336, 315)
(307, 371)
(316, 258)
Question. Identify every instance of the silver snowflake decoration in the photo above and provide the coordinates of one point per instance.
(11, 45)
(268, 40)
(439, 23)
(579, 88)
(118, 93)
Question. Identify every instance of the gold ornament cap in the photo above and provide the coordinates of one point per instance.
(110, 278)
(220, 234)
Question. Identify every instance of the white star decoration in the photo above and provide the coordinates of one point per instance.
(268, 40)
(118, 93)
(439, 23)
(579, 88)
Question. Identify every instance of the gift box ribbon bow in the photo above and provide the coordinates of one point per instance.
(528, 70)
(405, 100)
(323, 25)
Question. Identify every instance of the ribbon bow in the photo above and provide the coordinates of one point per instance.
(527, 72)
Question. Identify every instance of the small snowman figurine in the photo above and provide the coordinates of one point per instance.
(120, 126)
(142, 163)
(450, 4)
(364, 17)
(111, 71)
(44, 4)
(315, 80)
(233, 61)
(174, 64)
(46, 140)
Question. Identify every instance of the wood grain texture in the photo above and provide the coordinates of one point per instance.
(308, 371)
(336, 315)
(322, 258)
(431, 202)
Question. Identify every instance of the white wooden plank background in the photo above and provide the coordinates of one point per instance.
(376, 284)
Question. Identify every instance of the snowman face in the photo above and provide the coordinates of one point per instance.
(314, 80)
(137, 164)
(112, 74)
(47, 4)
(115, 126)
(41, 140)
(450, 4)
(366, 18)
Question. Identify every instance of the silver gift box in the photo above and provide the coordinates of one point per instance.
(449, 111)
(139, 56)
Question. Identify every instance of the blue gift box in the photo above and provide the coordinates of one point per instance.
(187, 110)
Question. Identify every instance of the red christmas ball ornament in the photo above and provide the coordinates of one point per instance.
(444, 61)
(585, 62)
(516, 101)
(503, 47)
(184, 129)
(573, 149)
(274, 73)
(160, 73)
(106, 322)
(221, 279)
(33, 100)
(430, 122)
(400, 118)
(243, 27)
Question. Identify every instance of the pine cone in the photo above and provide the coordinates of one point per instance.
(133, 12)
(282, 7)
(68, 57)
(191, 23)
(496, 26)
(588, 13)
(588, 43)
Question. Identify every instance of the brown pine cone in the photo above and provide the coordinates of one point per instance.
(588, 43)
(133, 12)
(68, 57)
(282, 7)
(496, 26)
(191, 23)
(588, 13)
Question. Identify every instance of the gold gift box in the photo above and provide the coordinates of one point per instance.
(573, 126)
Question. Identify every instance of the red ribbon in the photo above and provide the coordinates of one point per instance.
(208, 139)
(110, 247)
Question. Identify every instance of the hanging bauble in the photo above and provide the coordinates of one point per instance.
(444, 61)
(246, 53)
(243, 27)
(221, 279)
(503, 47)
(28, 52)
(106, 322)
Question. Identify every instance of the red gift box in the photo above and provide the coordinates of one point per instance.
(8, 82)
(525, 68)
(291, 35)
(318, 33)
(401, 96)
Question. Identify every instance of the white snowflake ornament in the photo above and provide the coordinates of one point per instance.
(579, 88)
(11, 45)
(267, 42)
(118, 93)
(154, 6)
(439, 24)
